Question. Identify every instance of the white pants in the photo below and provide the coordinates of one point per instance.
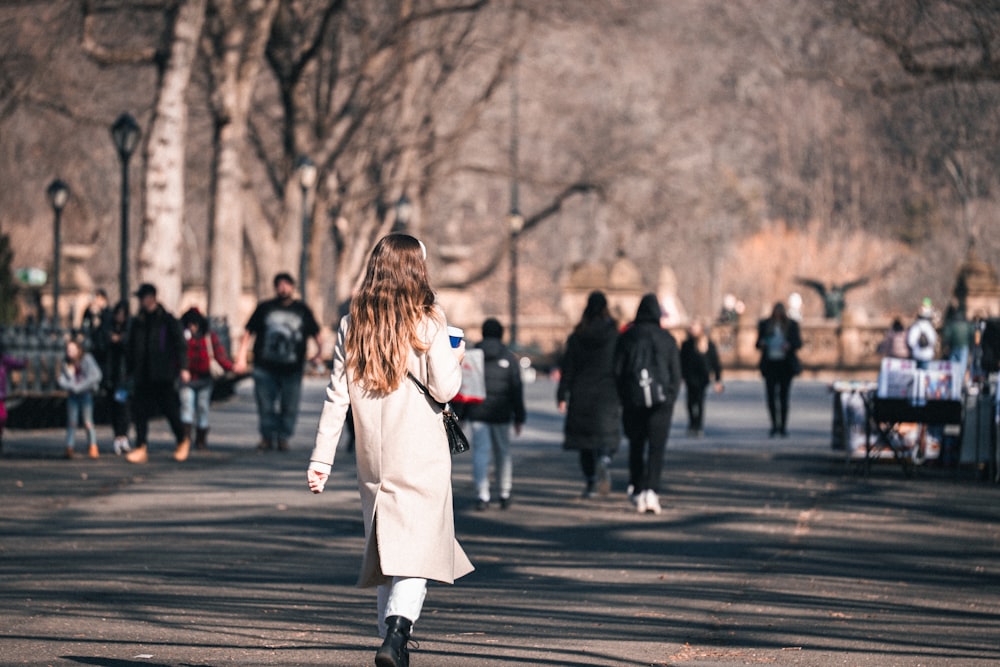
(403, 597)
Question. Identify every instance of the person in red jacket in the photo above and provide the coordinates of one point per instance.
(203, 347)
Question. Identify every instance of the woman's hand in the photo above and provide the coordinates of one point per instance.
(317, 480)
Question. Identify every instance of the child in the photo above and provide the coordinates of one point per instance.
(7, 363)
(80, 377)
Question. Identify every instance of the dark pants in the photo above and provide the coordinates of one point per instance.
(778, 386)
(119, 415)
(589, 459)
(696, 406)
(149, 400)
(647, 430)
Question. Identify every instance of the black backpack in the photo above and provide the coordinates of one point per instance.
(641, 381)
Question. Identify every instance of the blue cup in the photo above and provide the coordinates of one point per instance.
(455, 335)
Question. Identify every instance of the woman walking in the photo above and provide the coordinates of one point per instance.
(394, 337)
(699, 364)
(80, 378)
(778, 340)
(587, 394)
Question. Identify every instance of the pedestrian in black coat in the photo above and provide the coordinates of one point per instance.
(156, 360)
(587, 394)
(779, 340)
(491, 420)
(699, 365)
(647, 428)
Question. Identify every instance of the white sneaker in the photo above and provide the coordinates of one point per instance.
(652, 502)
(640, 502)
(122, 445)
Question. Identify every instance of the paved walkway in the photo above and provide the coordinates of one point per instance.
(769, 552)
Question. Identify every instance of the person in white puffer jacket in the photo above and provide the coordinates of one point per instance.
(922, 337)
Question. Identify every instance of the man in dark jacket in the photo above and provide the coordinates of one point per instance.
(490, 420)
(647, 425)
(156, 358)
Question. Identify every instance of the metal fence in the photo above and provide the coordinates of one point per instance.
(34, 399)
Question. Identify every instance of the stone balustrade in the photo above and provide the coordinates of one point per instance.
(828, 346)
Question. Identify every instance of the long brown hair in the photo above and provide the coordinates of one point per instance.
(393, 299)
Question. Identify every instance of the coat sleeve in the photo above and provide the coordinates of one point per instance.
(674, 369)
(92, 374)
(180, 343)
(516, 390)
(714, 361)
(334, 413)
(219, 352)
(567, 370)
(444, 370)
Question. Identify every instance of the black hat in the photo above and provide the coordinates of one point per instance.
(145, 289)
(492, 328)
(284, 277)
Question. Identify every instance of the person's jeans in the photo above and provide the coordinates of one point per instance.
(277, 397)
(495, 438)
(195, 402)
(404, 596)
(80, 408)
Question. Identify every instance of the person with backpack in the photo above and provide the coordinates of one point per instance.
(491, 420)
(586, 394)
(647, 369)
(779, 340)
(281, 328)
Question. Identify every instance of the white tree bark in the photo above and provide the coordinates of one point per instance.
(163, 201)
(237, 47)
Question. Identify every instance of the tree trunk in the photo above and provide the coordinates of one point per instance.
(163, 212)
(236, 48)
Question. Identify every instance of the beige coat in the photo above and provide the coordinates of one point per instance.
(403, 461)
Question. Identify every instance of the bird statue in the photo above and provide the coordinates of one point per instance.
(833, 295)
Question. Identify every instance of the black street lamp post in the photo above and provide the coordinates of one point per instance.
(125, 133)
(58, 193)
(307, 179)
(515, 220)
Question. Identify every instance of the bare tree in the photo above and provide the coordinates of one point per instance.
(236, 35)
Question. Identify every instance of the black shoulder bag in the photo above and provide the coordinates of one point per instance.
(457, 442)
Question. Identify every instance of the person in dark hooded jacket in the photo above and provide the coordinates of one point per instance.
(491, 420)
(647, 428)
(587, 394)
(156, 358)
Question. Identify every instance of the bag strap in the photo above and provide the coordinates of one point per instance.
(423, 390)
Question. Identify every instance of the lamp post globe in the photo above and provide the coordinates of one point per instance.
(58, 194)
(125, 134)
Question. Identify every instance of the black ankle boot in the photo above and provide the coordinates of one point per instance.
(393, 652)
